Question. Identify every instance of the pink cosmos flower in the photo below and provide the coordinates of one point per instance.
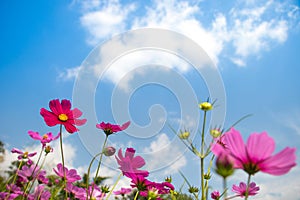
(61, 113)
(96, 195)
(78, 192)
(40, 193)
(71, 175)
(256, 155)
(33, 172)
(215, 195)
(130, 163)
(24, 155)
(242, 188)
(46, 138)
(112, 128)
(123, 191)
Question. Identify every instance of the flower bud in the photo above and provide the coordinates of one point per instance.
(193, 189)
(48, 149)
(215, 195)
(184, 135)
(109, 151)
(215, 133)
(168, 179)
(105, 189)
(224, 165)
(205, 106)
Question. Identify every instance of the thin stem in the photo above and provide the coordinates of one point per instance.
(119, 177)
(99, 164)
(88, 174)
(62, 157)
(36, 165)
(247, 189)
(136, 195)
(202, 134)
(37, 174)
(15, 177)
(225, 187)
(202, 158)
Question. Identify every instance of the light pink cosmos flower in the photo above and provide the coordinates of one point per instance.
(24, 155)
(112, 128)
(94, 192)
(123, 191)
(71, 175)
(32, 172)
(130, 163)
(61, 113)
(46, 138)
(40, 193)
(242, 188)
(256, 155)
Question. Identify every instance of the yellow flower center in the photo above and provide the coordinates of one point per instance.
(45, 136)
(63, 117)
(25, 155)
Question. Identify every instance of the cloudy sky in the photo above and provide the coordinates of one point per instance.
(151, 62)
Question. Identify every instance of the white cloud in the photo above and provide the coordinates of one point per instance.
(69, 74)
(51, 160)
(249, 28)
(162, 154)
(108, 20)
(277, 188)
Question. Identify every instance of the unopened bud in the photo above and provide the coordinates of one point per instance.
(109, 151)
(205, 106)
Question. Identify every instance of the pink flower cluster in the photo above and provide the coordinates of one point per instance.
(130, 165)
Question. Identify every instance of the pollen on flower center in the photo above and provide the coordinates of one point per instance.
(45, 136)
(25, 155)
(63, 117)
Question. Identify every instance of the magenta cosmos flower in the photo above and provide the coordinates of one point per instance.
(112, 128)
(215, 195)
(130, 163)
(71, 175)
(256, 155)
(46, 138)
(242, 188)
(24, 155)
(61, 113)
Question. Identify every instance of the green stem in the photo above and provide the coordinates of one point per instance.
(62, 158)
(37, 174)
(247, 189)
(136, 195)
(88, 174)
(14, 179)
(225, 187)
(113, 186)
(202, 158)
(99, 164)
(36, 165)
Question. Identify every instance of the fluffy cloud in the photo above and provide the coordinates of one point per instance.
(159, 156)
(249, 28)
(104, 20)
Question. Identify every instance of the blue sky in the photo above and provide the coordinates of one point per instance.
(254, 45)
